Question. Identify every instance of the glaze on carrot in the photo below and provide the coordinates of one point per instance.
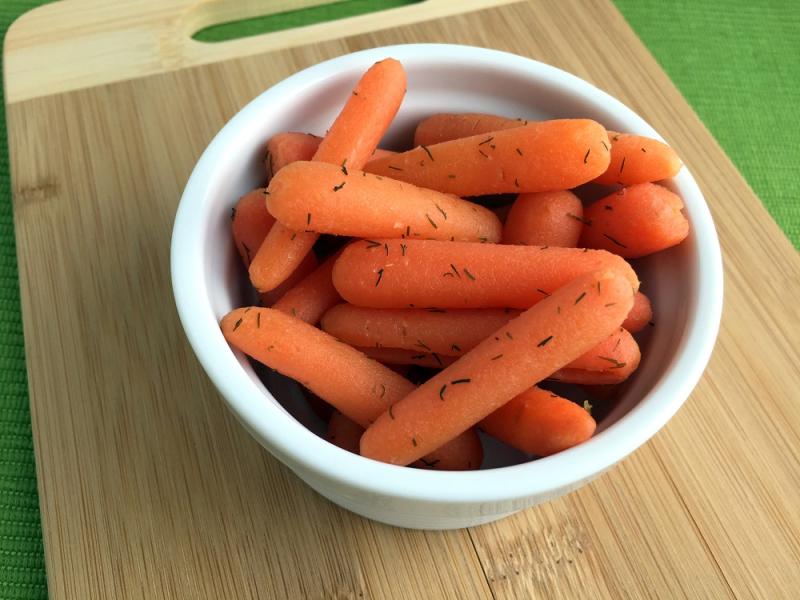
(612, 361)
(398, 356)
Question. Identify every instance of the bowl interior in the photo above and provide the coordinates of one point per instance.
(446, 79)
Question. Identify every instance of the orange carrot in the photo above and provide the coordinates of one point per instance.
(526, 350)
(462, 453)
(344, 432)
(423, 273)
(305, 268)
(459, 454)
(445, 127)
(634, 158)
(612, 361)
(544, 219)
(445, 332)
(635, 221)
(398, 356)
(250, 223)
(349, 143)
(638, 159)
(289, 147)
(357, 386)
(641, 314)
(539, 422)
(312, 296)
(279, 255)
(322, 198)
(286, 148)
(538, 157)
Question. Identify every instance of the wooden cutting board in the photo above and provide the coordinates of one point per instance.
(150, 489)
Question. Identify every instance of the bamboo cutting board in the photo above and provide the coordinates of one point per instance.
(150, 489)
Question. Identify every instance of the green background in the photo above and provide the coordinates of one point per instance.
(736, 62)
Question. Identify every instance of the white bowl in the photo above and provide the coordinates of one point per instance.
(685, 284)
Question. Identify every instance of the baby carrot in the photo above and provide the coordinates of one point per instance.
(634, 158)
(305, 268)
(459, 454)
(539, 422)
(357, 386)
(462, 453)
(635, 221)
(424, 273)
(540, 341)
(612, 361)
(638, 159)
(286, 148)
(538, 157)
(289, 147)
(445, 332)
(445, 127)
(312, 296)
(398, 356)
(279, 255)
(349, 144)
(250, 223)
(544, 219)
(641, 314)
(321, 197)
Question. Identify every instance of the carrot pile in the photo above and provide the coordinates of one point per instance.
(449, 310)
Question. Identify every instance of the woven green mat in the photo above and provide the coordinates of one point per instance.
(738, 64)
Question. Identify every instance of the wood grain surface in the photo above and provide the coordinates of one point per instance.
(150, 489)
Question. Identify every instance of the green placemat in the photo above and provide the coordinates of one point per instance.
(738, 65)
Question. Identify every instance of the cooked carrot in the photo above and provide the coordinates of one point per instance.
(344, 432)
(526, 350)
(250, 223)
(538, 157)
(289, 147)
(445, 127)
(357, 386)
(305, 268)
(398, 356)
(321, 197)
(641, 314)
(459, 454)
(312, 296)
(634, 158)
(349, 144)
(539, 422)
(612, 361)
(462, 453)
(423, 273)
(445, 332)
(635, 221)
(279, 255)
(286, 148)
(544, 219)
(638, 159)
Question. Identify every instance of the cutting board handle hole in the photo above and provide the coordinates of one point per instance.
(225, 21)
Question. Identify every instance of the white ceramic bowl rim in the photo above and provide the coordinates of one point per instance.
(300, 447)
